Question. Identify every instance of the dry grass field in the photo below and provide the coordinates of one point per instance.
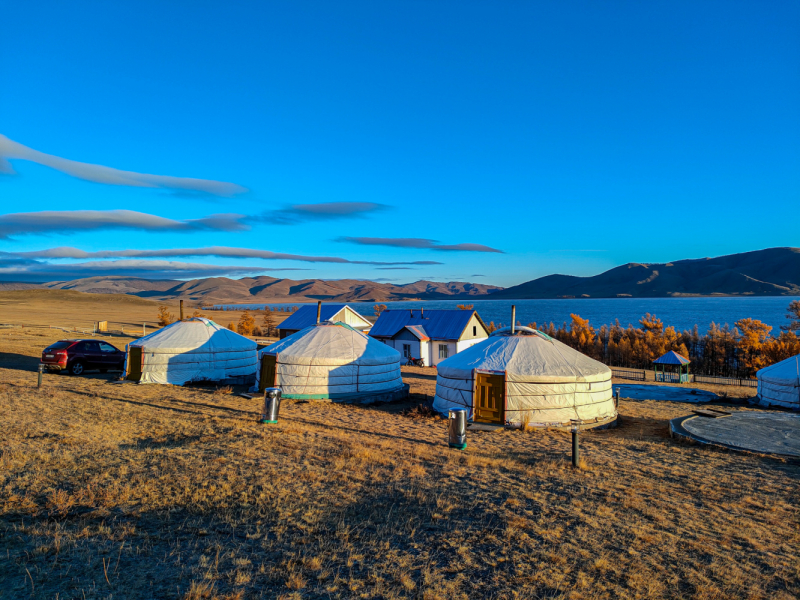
(112, 490)
(79, 311)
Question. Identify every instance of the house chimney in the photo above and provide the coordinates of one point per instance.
(513, 318)
(422, 313)
(319, 310)
(412, 312)
(181, 310)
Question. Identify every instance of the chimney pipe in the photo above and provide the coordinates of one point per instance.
(422, 313)
(513, 318)
(181, 310)
(319, 310)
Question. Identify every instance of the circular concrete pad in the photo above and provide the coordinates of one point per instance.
(673, 393)
(763, 432)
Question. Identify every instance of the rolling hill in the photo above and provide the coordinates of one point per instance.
(771, 272)
(271, 289)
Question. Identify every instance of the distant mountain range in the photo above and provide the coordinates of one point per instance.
(771, 272)
(270, 289)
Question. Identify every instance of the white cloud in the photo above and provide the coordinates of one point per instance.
(9, 150)
(64, 221)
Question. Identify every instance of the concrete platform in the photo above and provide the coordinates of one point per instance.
(752, 431)
(672, 393)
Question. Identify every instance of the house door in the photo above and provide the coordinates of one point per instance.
(267, 376)
(490, 398)
(134, 364)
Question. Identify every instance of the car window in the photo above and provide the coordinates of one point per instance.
(60, 345)
(107, 347)
(91, 347)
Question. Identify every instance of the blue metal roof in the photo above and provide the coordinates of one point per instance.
(305, 316)
(437, 324)
(671, 358)
(419, 332)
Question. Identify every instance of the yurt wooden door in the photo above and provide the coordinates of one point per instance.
(134, 364)
(490, 398)
(266, 377)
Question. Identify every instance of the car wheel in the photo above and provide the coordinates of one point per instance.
(77, 368)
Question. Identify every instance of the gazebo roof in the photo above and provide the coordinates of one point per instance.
(671, 358)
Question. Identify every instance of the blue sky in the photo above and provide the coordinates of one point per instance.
(571, 136)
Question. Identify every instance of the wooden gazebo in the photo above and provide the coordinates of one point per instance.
(672, 368)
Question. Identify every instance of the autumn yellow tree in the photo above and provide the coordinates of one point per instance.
(164, 316)
(268, 322)
(784, 346)
(232, 326)
(246, 324)
(793, 314)
(379, 308)
(753, 335)
(581, 334)
(465, 306)
(197, 314)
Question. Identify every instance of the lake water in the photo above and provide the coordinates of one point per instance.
(681, 313)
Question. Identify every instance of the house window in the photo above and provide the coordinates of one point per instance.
(443, 351)
(406, 350)
(474, 331)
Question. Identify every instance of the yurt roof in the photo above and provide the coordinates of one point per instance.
(194, 335)
(524, 357)
(330, 343)
(671, 358)
(787, 371)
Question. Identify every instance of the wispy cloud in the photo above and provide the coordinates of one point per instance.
(10, 150)
(15, 268)
(323, 211)
(417, 243)
(65, 252)
(68, 221)
(395, 269)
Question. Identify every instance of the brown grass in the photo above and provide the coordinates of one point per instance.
(76, 312)
(143, 491)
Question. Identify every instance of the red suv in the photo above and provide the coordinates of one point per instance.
(77, 356)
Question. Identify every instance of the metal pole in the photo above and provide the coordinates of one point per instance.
(41, 370)
(319, 309)
(181, 310)
(616, 398)
(576, 451)
(513, 318)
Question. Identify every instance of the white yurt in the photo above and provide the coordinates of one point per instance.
(331, 361)
(195, 349)
(525, 377)
(779, 384)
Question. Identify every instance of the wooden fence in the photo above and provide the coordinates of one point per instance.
(642, 375)
(725, 380)
(632, 374)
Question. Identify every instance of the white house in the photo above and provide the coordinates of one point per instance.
(432, 335)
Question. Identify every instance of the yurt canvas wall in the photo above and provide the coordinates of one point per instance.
(192, 350)
(330, 361)
(525, 378)
(779, 384)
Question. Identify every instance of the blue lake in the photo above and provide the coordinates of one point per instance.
(681, 313)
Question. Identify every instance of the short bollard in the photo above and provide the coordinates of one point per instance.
(576, 451)
(457, 428)
(272, 406)
(616, 398)
(41, 370)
